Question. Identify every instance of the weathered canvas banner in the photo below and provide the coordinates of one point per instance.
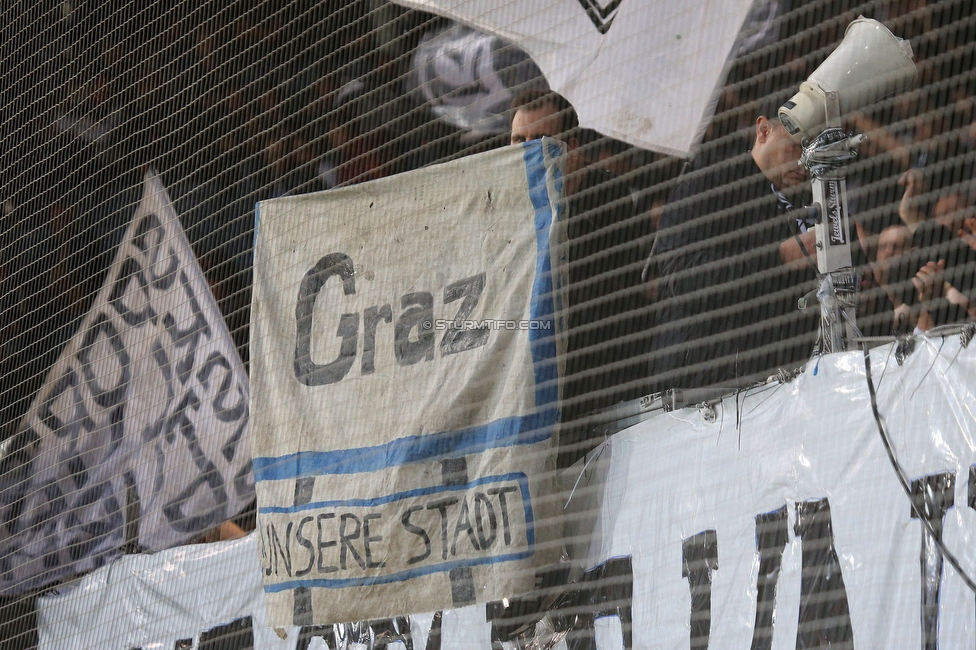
(778, 519)
(142, 421)
(405, 388)
(642, 71)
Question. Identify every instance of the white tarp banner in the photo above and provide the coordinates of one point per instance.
(778, 519)
(642, 71)
(778, 523)
(209, 596)
(145, 412)
(405, 388)
(198, 596)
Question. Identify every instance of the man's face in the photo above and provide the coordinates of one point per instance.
(533, 124)
(778, 154)
(893, 242)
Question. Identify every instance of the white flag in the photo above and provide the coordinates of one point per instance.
(642, 71)
(144, 413)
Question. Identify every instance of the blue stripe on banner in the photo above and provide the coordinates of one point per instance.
(257, 226)
(543, 342)
(418, 571)
(505, 432)
(418, 492)
(394, 577)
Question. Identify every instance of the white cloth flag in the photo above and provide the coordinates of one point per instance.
(405, 388)
(144, 414)
(642, 71)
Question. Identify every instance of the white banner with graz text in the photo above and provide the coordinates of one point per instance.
(405, 388)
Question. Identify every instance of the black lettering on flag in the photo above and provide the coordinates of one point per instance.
(932, 496)
(16, 472)
(441, 506)
(369, 539)
(464, 525)
(209, 475)
(481, 501)
(224, 413)
(307, 543)
(772, 535)
(418, 312)
(346, 539)
(434, 635)
(105, 397)
(131, 271)
(605, 590)
(84, 537)
(824, 618)
(307, 371)
(971, 500)
(418, 531)
(699, 559)
(460, 340)
(265, 548)
(81, 420)
(280, 550)
(327, 544)
(189, 337)
(371, 318)
(154, 429)
(151, 225)
(500, 493)
(236, 635)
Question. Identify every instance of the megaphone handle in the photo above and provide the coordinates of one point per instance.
(834, 259)
(832, 108)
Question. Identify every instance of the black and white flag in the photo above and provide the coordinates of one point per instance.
(642, 71)
(142, 421)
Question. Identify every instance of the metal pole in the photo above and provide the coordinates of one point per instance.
(825, 158)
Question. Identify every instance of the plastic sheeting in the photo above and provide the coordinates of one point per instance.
(178, 598)
(210, 596)
(776, 517)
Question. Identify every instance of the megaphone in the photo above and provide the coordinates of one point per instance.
(869, 64)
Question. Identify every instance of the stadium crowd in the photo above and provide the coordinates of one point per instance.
(235, 102)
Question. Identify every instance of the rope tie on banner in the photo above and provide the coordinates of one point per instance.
(903, 477)
(579, 478)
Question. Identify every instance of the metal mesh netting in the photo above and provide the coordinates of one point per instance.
(683, 273)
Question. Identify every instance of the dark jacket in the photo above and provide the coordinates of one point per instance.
(727, 307)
